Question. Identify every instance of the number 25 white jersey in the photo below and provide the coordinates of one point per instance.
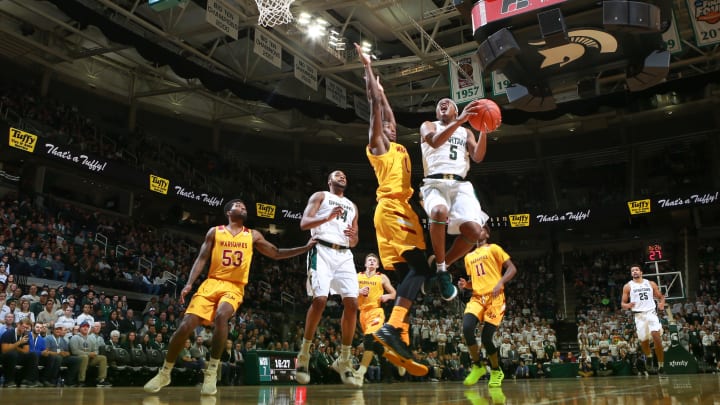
(642, 295)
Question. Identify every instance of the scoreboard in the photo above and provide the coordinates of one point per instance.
(270, 367)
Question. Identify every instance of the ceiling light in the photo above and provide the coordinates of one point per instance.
(304, 18)
(315, 31)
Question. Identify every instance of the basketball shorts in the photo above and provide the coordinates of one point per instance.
(209, 296)
(487, 308)
(371, 320)
(646, 323)
(397, 230)
(460, 199)
(331, 271)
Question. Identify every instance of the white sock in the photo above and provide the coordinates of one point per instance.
(441, 267)
(213, 365)
(361, 371)
(345, 353)
(305, 347)
(167, 367)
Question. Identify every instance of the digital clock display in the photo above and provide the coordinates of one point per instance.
(277, 368)
(655, 252)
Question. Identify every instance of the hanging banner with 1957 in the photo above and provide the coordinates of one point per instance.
(466, 82)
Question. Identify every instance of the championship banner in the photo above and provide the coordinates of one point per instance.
(672, 38)
(22, 140)
(466, 82)
(222, 18)
(500, 83)
(306, 73)
(362, 108)
(639, 206)
(267, 48)
(705, 19)
(335, 93)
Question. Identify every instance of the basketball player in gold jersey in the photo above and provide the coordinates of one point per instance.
(229, 248)
(489, 268)
(375, 290)
(400, 238)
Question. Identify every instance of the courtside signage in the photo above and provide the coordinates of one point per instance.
(672, 37)
(638, 207)
(159, 184)
(22, 140)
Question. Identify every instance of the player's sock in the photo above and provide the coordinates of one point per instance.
(397, 316)
(305, 347)
(345, 352)
(441, 267)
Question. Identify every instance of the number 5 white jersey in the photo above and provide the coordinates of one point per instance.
(452, 157)
(334, 231)
(642, 295)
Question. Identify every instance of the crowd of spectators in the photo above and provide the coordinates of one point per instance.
(57, 241)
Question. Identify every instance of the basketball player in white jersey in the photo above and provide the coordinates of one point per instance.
(639, 296)
(449, 199)
(333, 222)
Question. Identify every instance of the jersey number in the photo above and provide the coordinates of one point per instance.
(232, 257)
(479, 270)
(643, 296)
(453, 152)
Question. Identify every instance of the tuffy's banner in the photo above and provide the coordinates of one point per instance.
(108, 169)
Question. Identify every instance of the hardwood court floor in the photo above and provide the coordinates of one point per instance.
(685, 389)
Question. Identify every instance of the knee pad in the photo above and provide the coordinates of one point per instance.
(487, 338)
(469, 324)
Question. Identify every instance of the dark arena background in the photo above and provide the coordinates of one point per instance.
(131, 123)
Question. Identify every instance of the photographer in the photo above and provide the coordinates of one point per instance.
(585, 369)
(16, 351)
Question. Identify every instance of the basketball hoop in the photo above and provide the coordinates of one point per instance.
(274, 12)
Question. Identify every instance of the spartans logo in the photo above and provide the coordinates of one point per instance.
(580, 41)
(159, 184)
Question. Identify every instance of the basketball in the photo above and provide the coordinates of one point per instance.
(488, 117)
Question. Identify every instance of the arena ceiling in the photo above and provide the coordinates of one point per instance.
(129, 50)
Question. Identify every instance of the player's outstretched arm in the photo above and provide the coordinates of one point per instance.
(377, 143)
(268, 249)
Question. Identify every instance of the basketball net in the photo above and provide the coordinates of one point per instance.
(274, 12)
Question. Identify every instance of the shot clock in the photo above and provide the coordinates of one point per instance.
(655, 252)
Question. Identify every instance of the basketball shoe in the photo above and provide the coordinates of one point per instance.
(476, 373)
